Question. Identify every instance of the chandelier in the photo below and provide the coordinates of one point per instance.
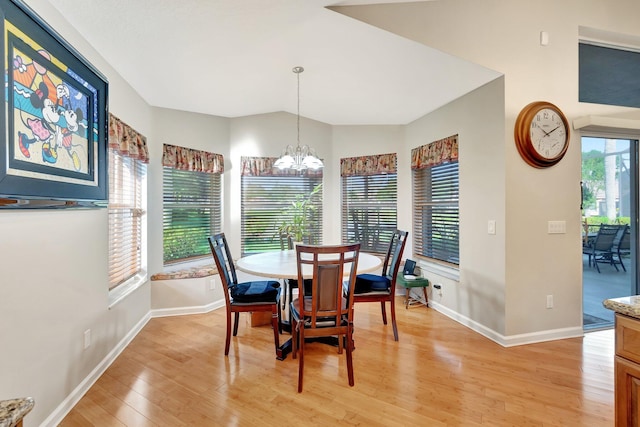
(301, 157)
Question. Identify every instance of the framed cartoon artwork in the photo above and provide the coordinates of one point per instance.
(53, 146)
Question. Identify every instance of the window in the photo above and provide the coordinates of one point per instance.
(369, 201)
(127, 202)
(267, 198)
(191, 209)
(435, 200)
(608, 75)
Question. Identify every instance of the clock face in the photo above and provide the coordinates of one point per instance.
(541, 134)
(548, 133)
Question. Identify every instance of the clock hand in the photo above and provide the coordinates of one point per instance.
(553, 129)
(545, 133)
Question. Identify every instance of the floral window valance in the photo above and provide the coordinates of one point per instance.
(436, 153)
(126, 141)
(188, 159)
(263, 166)
(368, 165)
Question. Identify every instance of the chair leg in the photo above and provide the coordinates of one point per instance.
(384, 312)
(274, 324)
(393, 319)
(285, 284)
(294, 339)
(349, 355)
(620, 259)
(235, 323)
(279, 317)
(301, 359)
(228, 339)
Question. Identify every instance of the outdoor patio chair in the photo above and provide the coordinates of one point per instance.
(601, 249)
(623, 247)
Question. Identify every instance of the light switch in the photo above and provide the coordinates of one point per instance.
(557, 227)
(491, 226)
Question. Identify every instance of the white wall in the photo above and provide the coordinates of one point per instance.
(506, 39)
(478, 119)
(54, 278)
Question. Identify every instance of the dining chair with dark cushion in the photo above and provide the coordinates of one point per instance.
(253, 296)
(324, 311)
(382, 287)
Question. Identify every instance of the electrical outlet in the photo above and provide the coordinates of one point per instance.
(87, 338)
(491, 226)
(549, 301)
(438, 287)
(212, 284)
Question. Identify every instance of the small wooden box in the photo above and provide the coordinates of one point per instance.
(260, 318)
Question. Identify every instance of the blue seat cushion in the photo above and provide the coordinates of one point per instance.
(258, 291)
(371, 282)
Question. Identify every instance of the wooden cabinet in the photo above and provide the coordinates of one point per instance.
(627, 371)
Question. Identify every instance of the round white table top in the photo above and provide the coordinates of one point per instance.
(282, 264)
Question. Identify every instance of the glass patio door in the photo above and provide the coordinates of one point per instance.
(609, 205)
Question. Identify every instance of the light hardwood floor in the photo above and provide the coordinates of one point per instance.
(440, 373)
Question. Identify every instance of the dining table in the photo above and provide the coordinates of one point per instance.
(284, 265)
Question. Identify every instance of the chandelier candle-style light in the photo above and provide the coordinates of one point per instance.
(300, 157)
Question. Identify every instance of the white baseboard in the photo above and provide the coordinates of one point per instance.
(67, 404)
(182, 311)
(511, 340)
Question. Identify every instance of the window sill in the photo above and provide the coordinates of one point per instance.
(122, 291)
(452, 273)
(187, 273)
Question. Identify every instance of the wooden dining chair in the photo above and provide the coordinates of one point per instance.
(382, 287)
(253, 296)
(325, 311)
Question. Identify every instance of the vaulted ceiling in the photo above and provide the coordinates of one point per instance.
(234, 58)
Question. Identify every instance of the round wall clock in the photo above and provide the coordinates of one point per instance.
(542, 134)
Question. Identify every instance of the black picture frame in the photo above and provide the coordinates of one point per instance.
(54, 118)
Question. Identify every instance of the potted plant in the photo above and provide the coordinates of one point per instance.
(296, 217)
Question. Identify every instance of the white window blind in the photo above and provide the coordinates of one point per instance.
(369, 210)
(436, 212)
(191, 212)
(127, 182)
(265, 200)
